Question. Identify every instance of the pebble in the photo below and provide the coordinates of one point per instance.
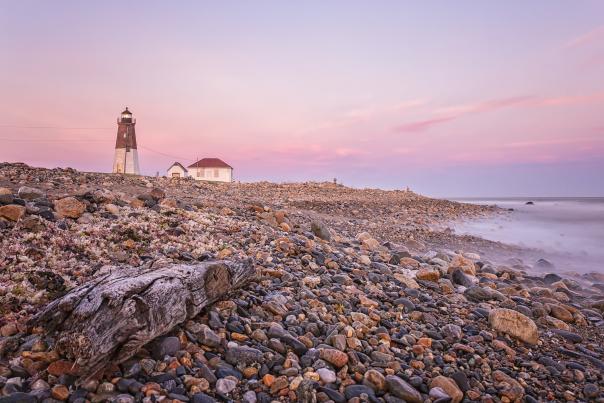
(225, 386)
(164, 346)
(449, 386)
(327, 375)
(401, 389)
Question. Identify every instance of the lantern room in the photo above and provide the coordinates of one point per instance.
(126, 116)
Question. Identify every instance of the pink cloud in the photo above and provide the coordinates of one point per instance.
(359, 115)
(447, 114)
(455, 112)
(586, 38)
(421, 125)
(570, 100)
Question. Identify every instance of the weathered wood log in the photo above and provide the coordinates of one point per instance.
(107, 320)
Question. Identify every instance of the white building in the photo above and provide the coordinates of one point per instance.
(211, 169)
(177, 171)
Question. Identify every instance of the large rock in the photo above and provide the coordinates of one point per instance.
(428, 274)
(561, 313)
(406, 280)
(370, 243)
(458, 276)
(375, 380)
(320, 230)
(462, 263)
(29, 193)
(449, 386)
(164, 346)
(12, 212)
(401, 389)
(69, 207)
(243, 355)
(508, 386)
(515, 324)
(335, 357)
(477, 293)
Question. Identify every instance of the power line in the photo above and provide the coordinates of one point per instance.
(55, 127)
(165, 154)
(54, 140)
(21, 140)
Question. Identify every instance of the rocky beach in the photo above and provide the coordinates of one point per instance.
(358, 295)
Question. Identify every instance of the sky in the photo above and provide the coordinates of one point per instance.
(451, 99)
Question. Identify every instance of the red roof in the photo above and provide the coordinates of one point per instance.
(210, 163)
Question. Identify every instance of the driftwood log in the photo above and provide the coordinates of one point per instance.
(107, 320)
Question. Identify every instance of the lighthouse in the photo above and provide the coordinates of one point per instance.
(126, 155)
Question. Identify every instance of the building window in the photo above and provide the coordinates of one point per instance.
(199, 172)
(175, 175)
(216, 173)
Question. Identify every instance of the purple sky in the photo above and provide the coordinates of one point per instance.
(462, 98)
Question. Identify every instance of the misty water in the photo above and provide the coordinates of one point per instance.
(569, 231)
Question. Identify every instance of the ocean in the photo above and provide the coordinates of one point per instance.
(568, 231)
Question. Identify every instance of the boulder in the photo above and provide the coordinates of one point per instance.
(462, 263)
(12, 212)
(401, 389)
(449, 386)
(69, 207)
(428, 274)
(29, 193)
(335, 357)
(320, 230)
(515, 324)
(509, 387)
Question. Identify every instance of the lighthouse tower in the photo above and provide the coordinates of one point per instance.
(126, 155)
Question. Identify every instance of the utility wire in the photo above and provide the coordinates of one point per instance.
(54, 140)
(164, 154)
(55, 127)
(13, 140)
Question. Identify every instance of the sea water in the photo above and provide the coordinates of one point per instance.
(564, 229)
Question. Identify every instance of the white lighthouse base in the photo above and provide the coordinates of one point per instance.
(126, 162)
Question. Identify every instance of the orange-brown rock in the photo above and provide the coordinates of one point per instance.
(69, 207)
(12, 212)
(449, 386)
(334, 357)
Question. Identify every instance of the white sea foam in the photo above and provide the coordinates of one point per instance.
(565, 229)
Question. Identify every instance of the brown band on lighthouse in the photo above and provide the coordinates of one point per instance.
(126, 136)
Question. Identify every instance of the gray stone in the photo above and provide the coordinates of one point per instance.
(401, 389)
(29, 193)
(591, 390)
(353, 391)
(124, 398)
(225, 386)
(477, 293)
(320, 230)
(18, 397)
(202, 398)
(460, 278)
(164, 346)
(452, 331)
(249, 397)
(208, 337)
(243, 355)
